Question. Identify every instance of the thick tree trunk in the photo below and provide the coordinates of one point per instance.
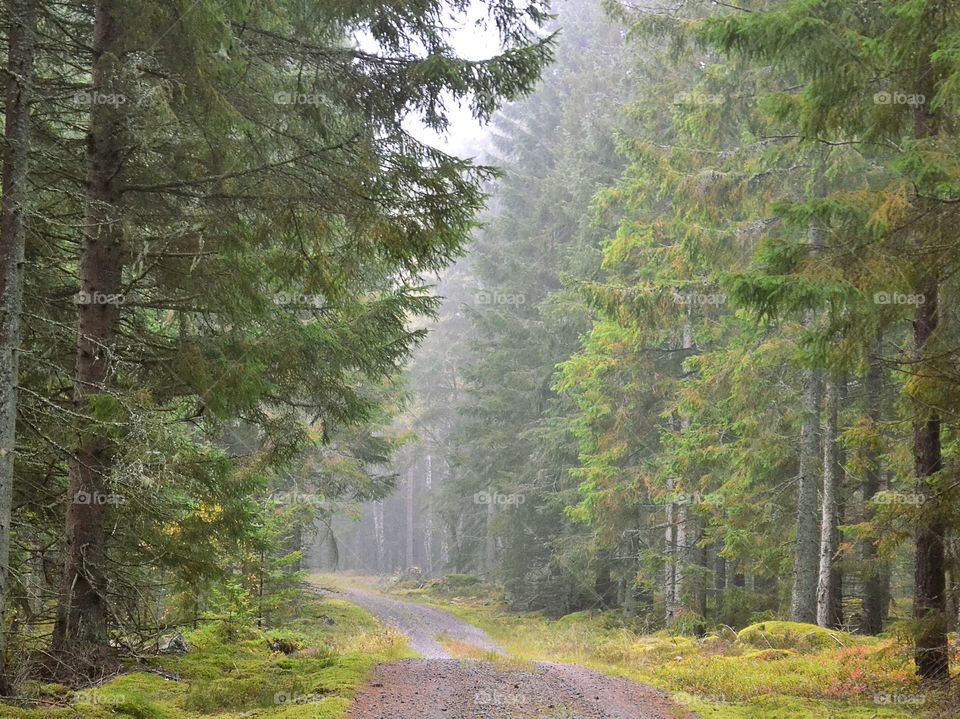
(930, 590)
(16, 156)
(803, 603)
(929, 600)
(828, 578)
(876, 580)
(82, 610)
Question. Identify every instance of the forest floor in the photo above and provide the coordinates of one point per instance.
(772, 670)
(306, 665)
(455, 652)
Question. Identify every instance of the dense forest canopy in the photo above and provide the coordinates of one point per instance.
(701, 362)
(682, 344)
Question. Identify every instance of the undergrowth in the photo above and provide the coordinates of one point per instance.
(309, 666)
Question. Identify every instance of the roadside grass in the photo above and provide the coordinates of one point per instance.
(319, 658)
(771, 670)
(459, 649)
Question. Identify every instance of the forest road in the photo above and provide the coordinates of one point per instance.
(441, 687)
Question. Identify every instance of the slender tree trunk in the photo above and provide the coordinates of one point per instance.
(82, 610)
(428, 520)
(378, 535)
(876, 581)
(803, 603)
(678, 518)
(629, 577)
(671, 568)
(702, 556)
(410, 556)
(490, 545)
(803, 600)
(836, 585)
(16, 156)
(829, 526)
(719, 579)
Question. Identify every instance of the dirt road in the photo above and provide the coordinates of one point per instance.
(440, 687)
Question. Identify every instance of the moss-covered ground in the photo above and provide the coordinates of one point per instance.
(308, 668)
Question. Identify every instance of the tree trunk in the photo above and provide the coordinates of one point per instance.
(490, 546)
(671, 568)
(410, 557)
(828, 579)
(378, 535)
(876, 581)
(929, 601)
(803, 603)
(16, 156)
(82, 610)
(719, 579)
(428, 521)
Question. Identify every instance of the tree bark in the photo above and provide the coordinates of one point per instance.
(378, 535)
(931, 653)
(803, 603)
(428, 521)
(82, 611)
(930, 586)
(13, 232)
(671, 579)
(827, 581)
(876, 581)
(410, 555)
(490, 545)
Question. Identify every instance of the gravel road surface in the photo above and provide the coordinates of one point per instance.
(440, 687)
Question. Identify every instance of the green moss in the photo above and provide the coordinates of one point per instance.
(794, 635)
(231, 671)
